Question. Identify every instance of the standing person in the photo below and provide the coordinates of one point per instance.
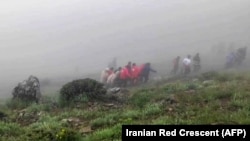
(187, 65)
(240, 55)
(230, 60)
(176, 65)
(104, 76)
(117, 81)
(125, 76)
(129, 70)
(110, 71)
(144, 74)
(129, 66)
(110, 80)
(113, 78)
(135, 74)
(196, 62)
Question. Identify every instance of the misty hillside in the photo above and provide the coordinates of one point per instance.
(61, 41)
(197, 99)
(66, 46)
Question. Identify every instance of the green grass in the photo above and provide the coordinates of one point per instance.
(224, 100)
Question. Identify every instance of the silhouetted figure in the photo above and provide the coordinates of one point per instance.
(145, 71)
(196, 62)
(129, 69)
(230, 60)
(235, 58)
(240, 55)
(175, 65)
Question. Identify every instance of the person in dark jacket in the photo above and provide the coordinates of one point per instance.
(196, 62)
(144, 75)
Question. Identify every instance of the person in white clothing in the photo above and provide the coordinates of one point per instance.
(104, 76)
(187, 64)
(113, 78)
(110, 80)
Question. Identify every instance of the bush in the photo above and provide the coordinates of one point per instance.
(28, 90)
(81, 90)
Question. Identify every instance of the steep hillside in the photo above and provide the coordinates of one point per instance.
(209, 98)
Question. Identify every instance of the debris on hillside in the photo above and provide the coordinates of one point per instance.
(117, 96)
(73, 122)
(85, 130)
(25, 117)
(80, 125)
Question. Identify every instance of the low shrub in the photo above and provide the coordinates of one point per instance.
(81, 90)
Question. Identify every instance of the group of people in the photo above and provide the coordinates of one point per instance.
(235, 58)
(131, 74)
(187, 64)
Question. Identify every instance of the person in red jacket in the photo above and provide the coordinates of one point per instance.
(135, 74)
(124, 76)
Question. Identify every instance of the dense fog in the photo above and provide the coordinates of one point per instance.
(62, 40)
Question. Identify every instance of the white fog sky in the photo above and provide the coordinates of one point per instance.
(61, 37)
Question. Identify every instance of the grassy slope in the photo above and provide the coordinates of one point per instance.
(207, 99)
